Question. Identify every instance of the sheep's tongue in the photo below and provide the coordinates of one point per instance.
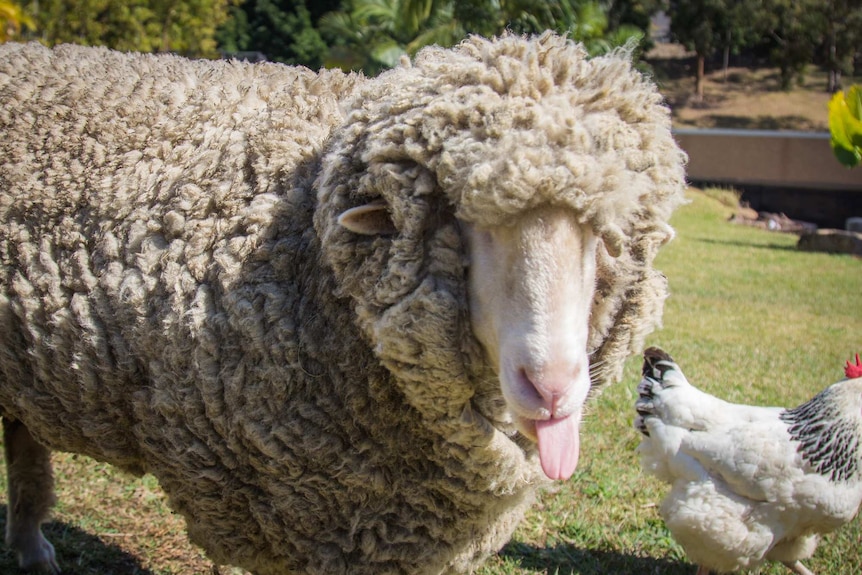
(558, 446)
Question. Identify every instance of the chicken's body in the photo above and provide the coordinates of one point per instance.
(749, 484)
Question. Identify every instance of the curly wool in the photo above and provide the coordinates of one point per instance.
(502, 127)
(177, 298)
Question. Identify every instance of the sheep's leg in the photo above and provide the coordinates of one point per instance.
(798, 568)
(701, 570)
(31, 495)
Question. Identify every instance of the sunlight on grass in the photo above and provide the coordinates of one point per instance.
(749, 319)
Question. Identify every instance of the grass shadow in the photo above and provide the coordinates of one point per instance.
(672, 68)
(790, 122)
(567, 559)
(78, 552)
(768, 78)
(743, 244)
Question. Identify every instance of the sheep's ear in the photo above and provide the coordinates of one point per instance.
(368, 220)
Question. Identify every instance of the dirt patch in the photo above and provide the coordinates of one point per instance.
(769, 221)
(745, 97)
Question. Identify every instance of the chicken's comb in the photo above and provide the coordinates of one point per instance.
(853, 371)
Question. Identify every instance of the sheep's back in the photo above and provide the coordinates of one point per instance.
(136, 193)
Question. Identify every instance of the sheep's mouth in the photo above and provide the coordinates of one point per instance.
(555, 432)
(558, 440)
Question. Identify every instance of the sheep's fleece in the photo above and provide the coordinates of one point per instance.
(179, 299)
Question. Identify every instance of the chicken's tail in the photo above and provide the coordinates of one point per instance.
(657, 364)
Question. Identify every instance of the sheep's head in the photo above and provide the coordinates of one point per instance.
(549, 179)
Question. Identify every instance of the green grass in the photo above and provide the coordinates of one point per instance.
(750, 319)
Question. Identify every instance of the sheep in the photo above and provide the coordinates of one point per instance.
(346, 322)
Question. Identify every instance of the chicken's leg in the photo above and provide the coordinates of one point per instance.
(798, 568)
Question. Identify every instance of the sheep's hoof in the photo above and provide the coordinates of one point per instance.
(38, 556)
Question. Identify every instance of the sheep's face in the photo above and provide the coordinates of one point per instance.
(531, 287)
(531, 284)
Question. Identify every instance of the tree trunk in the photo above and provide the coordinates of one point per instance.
(834, 72)
(834, 81)
(726, 60)
(698, 86)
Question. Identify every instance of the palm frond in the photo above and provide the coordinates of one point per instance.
(447, 33)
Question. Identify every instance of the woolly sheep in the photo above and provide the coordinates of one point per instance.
(331, 314)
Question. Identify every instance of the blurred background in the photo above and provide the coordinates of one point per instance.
(371, 35)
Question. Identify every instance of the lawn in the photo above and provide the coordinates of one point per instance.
(750, 319)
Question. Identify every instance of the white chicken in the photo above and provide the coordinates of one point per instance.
(750, 484)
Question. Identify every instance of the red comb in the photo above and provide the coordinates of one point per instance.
(853, 371)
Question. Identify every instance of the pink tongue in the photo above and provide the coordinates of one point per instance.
(558, 446)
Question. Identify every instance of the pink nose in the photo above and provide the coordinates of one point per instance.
(552, 384)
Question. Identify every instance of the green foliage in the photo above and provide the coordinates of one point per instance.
(186, 26)
(842, 23)
(699, 24)
(796, 28)
(705, 26)
(635, 12)
(587, 22)
(842, 20)
(708, 25)
(283, 30)
(845, 126)
(12, 21)
(235, 35)
(373, 34)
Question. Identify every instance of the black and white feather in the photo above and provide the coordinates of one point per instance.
(828, 436)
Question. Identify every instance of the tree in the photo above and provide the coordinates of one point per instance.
(372, 35)
(284, 30)
(701, 26)
(805, 31)
(12, 21)
(843, 34)
(588, 23)
(184, 26)
(796, 28)
(634, 13)
(743, 27)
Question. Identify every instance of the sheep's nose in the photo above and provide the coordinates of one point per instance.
(552, 384)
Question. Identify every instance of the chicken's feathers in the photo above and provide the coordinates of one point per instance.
(828, 440)
(665, 392)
